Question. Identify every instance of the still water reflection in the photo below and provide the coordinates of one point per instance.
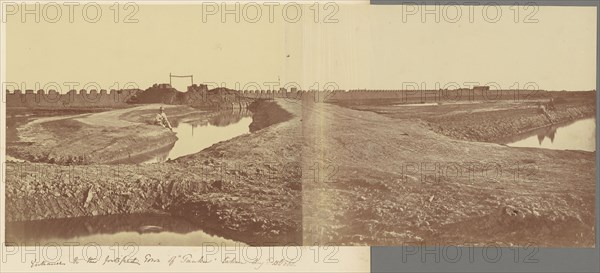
(198, 134)
(139, 229)
(577, 135)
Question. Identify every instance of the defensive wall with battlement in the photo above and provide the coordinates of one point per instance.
(72, 99)
(199, 94)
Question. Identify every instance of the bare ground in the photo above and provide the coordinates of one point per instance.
(487, 121)
(94, 137)
(389, 181)
(328, 174)
(246, 189)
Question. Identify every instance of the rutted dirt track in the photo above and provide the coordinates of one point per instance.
(328, 174)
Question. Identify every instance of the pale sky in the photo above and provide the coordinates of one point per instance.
(370, 47)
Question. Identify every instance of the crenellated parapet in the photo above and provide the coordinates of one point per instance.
(73, 98)
(198, 94)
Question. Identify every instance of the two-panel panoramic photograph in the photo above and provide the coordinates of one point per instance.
(308, 136)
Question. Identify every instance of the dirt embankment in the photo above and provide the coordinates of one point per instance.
(386, 181)
(224, 189)
(487, 121)
(94, 137)
(496, 125)
(331, 174)
(267, 113)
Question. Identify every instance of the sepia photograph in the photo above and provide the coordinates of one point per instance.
(276, 124)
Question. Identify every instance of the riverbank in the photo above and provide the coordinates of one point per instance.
(95, 138)
(390, 181)
(223, 188)
(487, 121)
(328, 174)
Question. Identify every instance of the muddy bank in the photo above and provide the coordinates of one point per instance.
(335, 175)
(223, 188)
(87, 226)
(255, 196)
(267, 113)
(92, 137)
(391, 181)
(495, 126)
(487, 121)
(109, 137)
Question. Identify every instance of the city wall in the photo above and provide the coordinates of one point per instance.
(72, 99)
